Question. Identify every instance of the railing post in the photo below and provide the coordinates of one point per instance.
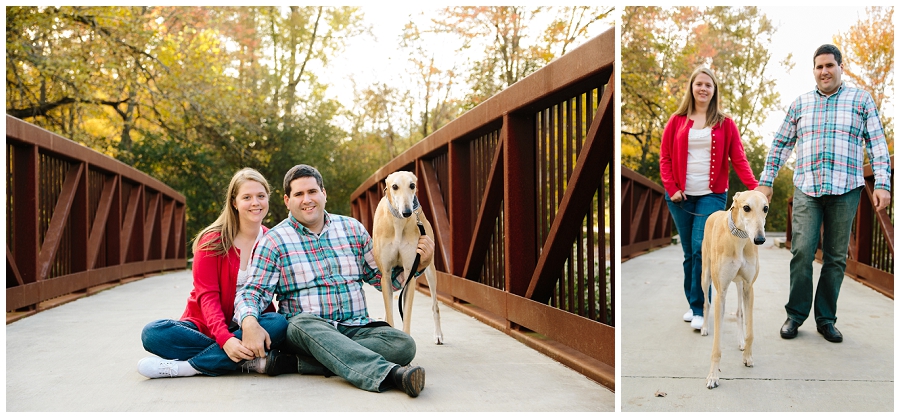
(460, 166)
(518, 136)
(26, 205)
(79, 222)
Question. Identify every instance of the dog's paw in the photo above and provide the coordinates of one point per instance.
(704, 331)
(712, 382)
(439, 339)
(748, 361)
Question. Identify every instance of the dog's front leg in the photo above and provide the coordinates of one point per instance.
(740, 314)
(387, 292)
(712, 380)
(748, 315)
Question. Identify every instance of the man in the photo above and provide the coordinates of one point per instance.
(830, 126)
(317, 262)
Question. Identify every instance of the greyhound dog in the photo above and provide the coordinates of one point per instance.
(396, 233)
(728, 256)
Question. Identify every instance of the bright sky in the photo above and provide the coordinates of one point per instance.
(371, 59)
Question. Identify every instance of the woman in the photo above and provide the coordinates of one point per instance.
(206, 340)
(697, 143)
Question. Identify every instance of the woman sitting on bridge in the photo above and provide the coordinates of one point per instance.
(697, 143)
(206, 340)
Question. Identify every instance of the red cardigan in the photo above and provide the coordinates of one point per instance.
(726, 141)
(210, 305)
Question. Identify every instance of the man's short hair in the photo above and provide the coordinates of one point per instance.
(828, 49)
(298, 171)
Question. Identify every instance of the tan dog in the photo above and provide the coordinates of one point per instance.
(396, 235)
(729, 256)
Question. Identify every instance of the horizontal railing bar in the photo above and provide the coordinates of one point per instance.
(543, 84)
(19, 131)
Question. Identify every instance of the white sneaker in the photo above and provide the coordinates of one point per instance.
(154, 367)
(689, 315)
(258, 365)
(697, 322)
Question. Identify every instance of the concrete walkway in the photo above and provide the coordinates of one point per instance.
(662, 353)
(82, 356)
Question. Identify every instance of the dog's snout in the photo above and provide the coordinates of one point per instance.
(407, 213)
(759, 240)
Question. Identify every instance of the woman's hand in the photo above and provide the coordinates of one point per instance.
(677, 197)
(236, 350)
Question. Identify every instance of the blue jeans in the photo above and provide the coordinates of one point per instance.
(180, 340)
(810, 214)
(361, 355)
(690, 229)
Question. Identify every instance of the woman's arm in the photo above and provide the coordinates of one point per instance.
(738, 157)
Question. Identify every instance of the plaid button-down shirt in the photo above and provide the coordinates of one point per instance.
(320, 274)
(830, 133)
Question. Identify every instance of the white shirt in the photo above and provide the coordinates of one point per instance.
(699, 144)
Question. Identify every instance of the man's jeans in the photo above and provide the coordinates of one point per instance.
(836, 213)
(180, 340)
(362, 355)
(690, 229)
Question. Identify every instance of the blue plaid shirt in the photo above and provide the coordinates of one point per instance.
(830, 133)
(320, 274)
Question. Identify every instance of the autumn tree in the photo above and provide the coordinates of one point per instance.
(661, 48)
(188, 95)
(868, 58)
(513, 46)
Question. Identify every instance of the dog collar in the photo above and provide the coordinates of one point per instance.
(398, 215)
(734, 229)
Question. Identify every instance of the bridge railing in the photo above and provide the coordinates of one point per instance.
(870, 257)
(517, 190)
(646, 223)
(77, 219)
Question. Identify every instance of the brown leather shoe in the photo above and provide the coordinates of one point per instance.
(410, 379)
(830, 333)
(789, 329)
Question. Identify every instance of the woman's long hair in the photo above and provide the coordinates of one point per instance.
(228, 223)
(714, 113)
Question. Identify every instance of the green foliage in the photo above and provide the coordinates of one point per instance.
(188, 95)
(660, 49)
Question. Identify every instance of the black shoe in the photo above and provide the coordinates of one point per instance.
(279, 362)
(830, 333)
(411, 379)
(789, 329)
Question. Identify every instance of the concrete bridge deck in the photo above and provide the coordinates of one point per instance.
(82, 356)
(662, 353)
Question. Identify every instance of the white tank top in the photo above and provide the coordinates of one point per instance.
(699, 145)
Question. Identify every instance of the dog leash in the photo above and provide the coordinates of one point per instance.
(680, 204)
(415, 266)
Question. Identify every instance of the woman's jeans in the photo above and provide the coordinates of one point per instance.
(690, 218)
(180, 340)
(834, 215)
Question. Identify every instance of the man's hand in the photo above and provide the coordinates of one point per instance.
(426, 249)
(255, 338)
(766, 190)
(236, 351)
(677, 197)
(882, 199)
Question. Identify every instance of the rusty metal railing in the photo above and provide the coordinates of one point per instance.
(646, 223)
(516, 190)
(870, 257)
(77, 219)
